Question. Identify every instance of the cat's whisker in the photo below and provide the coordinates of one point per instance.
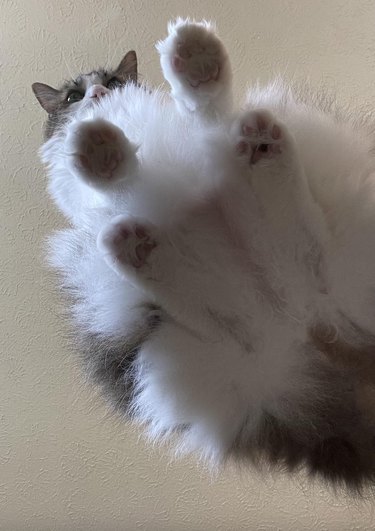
(109, 64)
(66, 64)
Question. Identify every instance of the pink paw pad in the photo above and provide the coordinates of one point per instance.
(199, 61)
(99, 137)
(102, 168)
(98, 152)
(129, 242)
(260, 137)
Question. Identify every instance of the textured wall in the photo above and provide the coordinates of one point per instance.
(64, 464)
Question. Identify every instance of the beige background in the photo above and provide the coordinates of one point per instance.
(65, 465)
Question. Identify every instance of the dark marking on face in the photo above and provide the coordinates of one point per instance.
(61, 103)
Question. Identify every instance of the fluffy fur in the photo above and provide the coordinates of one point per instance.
(221, 263)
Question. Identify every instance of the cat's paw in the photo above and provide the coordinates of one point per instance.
(196, 55)
(99, 153)
(127, 243)
(193, 57)
(259, 136)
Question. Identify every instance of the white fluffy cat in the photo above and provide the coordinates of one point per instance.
(221, 262)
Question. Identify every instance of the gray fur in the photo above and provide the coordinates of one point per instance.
(55, 102)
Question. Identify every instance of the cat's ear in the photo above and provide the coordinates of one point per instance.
(48, 97)
(127, 69)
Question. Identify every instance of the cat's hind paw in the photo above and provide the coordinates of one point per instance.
(99, 153)
(126, 243)
(258, 136)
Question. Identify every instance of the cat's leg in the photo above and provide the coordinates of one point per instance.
(159, 262)
(142, 254)
(196, 65)
(267, 149)
(99, 153)
(267, 152)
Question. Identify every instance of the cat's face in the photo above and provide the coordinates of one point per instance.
(84, 90)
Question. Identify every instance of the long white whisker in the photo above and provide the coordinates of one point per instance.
(106, 65)
(66, 64)
(113, 55)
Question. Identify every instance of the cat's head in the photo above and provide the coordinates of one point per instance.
(61, 103)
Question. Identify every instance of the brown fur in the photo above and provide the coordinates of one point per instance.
(357, 352)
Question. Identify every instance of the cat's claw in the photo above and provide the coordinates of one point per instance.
(126, 242)
(259, 136)
(99, 153)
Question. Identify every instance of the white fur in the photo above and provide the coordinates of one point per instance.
(248, 257)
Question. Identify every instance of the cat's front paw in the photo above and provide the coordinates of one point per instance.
(126, 243)
(258, 135)
(99, 153)
(193, 58)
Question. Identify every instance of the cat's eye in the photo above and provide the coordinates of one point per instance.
(113, 83)
(74, 96)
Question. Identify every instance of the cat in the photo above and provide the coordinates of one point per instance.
(220, 263)
(61, 103)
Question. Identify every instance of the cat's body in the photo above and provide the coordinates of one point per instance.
(221, 263)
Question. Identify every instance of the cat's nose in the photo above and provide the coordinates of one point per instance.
(97, 91)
